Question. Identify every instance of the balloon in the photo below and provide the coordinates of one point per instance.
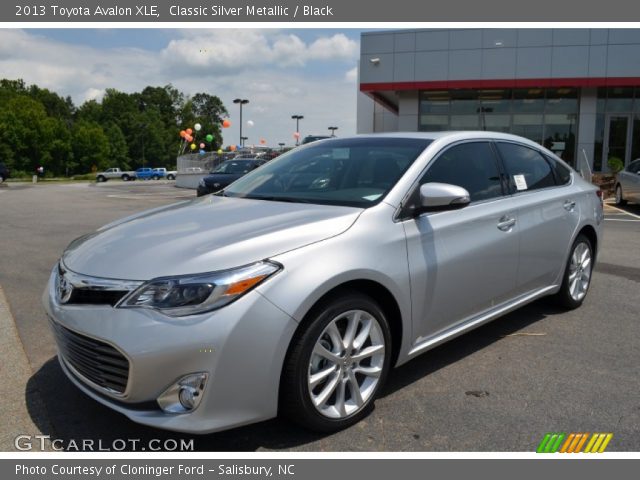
(262, 141)
(296, 134)
(209, 138)
(198, 127)
(183, 133)
(193, 146)
(219, 151)
(226, 123)
(202, 152)
(189, 131)
(238, 147)
(232, 148)
(250, 123)
(202, 145)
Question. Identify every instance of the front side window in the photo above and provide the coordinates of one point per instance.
(355, 172)
(527, 168)
(469, 165)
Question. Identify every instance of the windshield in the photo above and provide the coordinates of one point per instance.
(234, 167)
(355, 172)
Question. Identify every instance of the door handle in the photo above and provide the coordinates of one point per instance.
(569, 205)
(506, 223)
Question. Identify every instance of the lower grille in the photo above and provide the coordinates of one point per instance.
(96, 361)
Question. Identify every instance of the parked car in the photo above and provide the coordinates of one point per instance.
(4, 172)
(147, 173)
(193, 170)
(225, 174)
(296, 293)
(164, 173)
(110, 173)
(313, 138)
(628, 184)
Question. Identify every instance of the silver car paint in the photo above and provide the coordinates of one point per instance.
(321, 248)
(630, 183)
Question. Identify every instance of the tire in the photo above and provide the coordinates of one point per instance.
(335, 390)
(571, 294)
(156, 177)
(101, 178)
(125, 178)
(620, 201)
(170, 177)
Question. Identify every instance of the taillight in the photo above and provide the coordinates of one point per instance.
(600, 195)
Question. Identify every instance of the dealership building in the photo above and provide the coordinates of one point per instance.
(575, 91)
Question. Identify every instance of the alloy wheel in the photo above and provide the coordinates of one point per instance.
(580, 271)
(346, 364)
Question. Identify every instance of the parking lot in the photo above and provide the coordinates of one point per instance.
(498, 388)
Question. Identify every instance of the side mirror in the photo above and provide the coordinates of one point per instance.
(442, 196)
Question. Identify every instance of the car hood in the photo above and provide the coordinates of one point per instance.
(207, 234)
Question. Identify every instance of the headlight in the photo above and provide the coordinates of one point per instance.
(193, 294)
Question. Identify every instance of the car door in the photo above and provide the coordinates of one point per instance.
(548, 213)
(632, 177)
(462, 262)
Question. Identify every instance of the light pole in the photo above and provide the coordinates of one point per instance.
(281, 144)
(297, 118)
(333, 131)
(242, 139)
(241, 101)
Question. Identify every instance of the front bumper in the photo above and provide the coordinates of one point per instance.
(241, 346)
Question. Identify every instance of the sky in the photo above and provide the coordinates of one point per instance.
(282, 72)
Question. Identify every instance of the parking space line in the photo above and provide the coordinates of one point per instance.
(625, 212)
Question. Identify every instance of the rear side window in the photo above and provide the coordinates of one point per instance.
(561, 173)
(469, 165)
(527, 168)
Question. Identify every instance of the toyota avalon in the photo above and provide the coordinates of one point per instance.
(298, 287)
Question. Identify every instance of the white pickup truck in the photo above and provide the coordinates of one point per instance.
(168, 174)
(115, 173)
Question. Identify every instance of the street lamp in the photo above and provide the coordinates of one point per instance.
(241, 101)
(333, 131)
(242, 139)
(281, 144)
(297, 118)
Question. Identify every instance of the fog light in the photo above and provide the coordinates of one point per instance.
(185, 395)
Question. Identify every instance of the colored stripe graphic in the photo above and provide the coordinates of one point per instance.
(573, 442)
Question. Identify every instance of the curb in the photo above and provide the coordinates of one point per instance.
(15, 372)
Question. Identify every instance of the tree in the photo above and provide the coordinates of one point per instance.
(90, 146)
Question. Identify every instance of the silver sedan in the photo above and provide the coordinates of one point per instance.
(628, 184)
(299, 286)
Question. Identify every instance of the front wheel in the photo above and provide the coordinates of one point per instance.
(156, 177)
(337, 363)
(620, 201)
(577, 275)
(170, 177)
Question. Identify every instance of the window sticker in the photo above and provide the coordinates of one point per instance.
(521, 183)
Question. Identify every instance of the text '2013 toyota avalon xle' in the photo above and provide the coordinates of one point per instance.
(299, 286)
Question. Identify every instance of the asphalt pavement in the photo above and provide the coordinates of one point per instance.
(498, 388)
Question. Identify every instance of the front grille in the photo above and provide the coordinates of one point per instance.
(96, 361)
(85, 296)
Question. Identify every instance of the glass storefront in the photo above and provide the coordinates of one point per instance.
(546, 116)
(617, 125)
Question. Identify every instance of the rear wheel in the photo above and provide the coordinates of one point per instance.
(577, 275)
(619, 198)
(101, 178)
(125, 178)
(337, 364)
(156, 177)
(170, 177)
